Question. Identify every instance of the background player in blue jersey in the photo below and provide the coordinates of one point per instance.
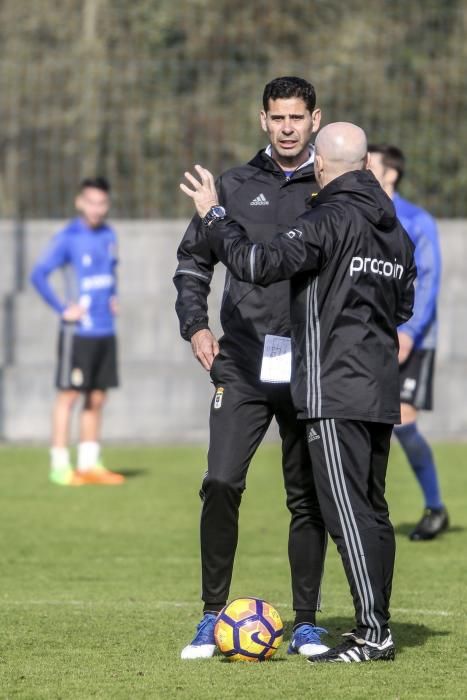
(417, 338)
(86, 251)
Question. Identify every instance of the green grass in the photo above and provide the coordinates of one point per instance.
(99, 586)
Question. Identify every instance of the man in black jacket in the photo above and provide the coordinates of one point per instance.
(266, 195)
(351, 268)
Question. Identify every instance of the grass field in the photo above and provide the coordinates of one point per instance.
(99, 586)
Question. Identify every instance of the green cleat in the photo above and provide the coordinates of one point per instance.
(65, 477)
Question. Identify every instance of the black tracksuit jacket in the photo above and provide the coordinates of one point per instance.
(248, 311)
(352, 272)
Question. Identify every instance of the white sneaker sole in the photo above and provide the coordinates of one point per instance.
(203, 651)
(312, 649)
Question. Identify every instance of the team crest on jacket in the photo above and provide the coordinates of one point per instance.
(77, 377)
(218, 397)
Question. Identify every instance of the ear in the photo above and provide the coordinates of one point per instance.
(316, 119)
(318, 169)
(367, 161)
(263, 118)
(392, 176)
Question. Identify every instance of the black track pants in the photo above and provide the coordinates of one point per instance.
(240, 416)
(349, 461)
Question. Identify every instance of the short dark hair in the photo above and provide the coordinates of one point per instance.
(97, 183)
(392, 157)
(289, 86)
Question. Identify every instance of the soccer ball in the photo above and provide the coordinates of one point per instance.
(248, 629)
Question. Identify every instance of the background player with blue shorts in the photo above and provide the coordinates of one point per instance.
(417, 339)
(86, 251)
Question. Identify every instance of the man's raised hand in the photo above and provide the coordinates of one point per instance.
(204, 193)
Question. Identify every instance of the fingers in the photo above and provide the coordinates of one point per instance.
(205, 360)
(196, 183)
(193, 181)
(186, 190)
(72, 313)
(206, 181)
(206, 177)
(205, 357)
(205, 347)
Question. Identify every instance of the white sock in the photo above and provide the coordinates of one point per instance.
(59, 457)
(88, 455)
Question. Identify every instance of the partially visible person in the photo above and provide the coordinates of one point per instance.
(417, 339)
(352, 271)
(86, 251)
(266, 195)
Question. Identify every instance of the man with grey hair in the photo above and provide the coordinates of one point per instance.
(352, 271)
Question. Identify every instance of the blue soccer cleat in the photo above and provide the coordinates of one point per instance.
(306, 640)
(203, 644)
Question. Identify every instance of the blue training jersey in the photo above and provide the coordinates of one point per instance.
(88, 258)
(422, 229)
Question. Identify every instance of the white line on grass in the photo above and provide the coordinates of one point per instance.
(403, 611)
(185, 604)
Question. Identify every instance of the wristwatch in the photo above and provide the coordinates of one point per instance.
(216, 213)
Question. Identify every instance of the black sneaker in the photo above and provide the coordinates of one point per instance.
(433, 522)
(354, 650)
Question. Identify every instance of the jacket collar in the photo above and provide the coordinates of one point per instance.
(264, 161)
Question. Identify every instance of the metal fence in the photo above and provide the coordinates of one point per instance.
(140, 91)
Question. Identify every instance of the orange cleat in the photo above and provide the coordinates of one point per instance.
(100, 475)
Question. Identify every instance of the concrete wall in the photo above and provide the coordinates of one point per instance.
(165, 394)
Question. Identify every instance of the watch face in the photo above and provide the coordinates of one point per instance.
(215, 213)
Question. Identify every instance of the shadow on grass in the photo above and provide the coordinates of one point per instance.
(131, 473)
(406, 529)
(406, 634)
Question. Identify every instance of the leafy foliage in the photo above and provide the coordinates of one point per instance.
(141, 90)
